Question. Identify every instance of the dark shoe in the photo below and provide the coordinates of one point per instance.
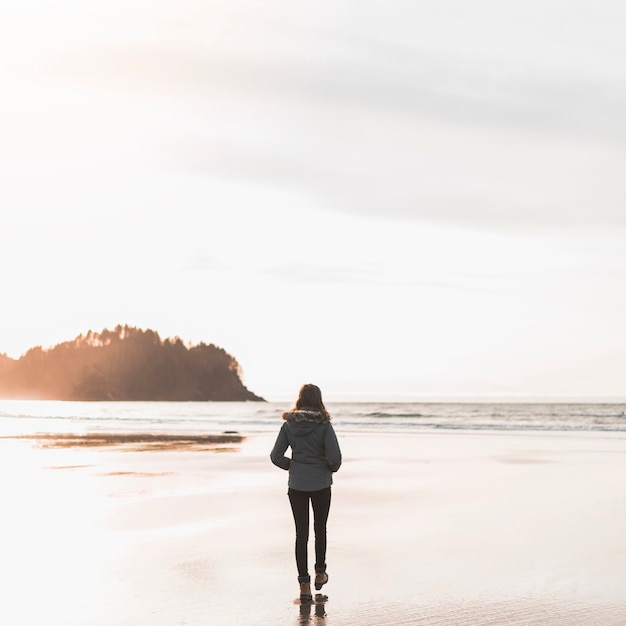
(305, 593)
(320, 583)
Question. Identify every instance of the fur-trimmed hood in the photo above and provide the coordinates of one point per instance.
(306, 415)
(302, 422)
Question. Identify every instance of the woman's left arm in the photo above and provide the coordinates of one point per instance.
(278, 451)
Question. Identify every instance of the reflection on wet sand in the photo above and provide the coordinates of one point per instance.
(137, 442)
(313, 613)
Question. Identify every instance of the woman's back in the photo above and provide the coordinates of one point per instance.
(315, 452)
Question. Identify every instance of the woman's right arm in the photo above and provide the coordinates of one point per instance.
(333, 452)
(278, 451)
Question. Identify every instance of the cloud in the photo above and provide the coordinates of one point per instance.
(503, 116)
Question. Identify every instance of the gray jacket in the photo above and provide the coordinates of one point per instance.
(315, 452)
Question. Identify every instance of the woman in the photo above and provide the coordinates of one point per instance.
(315, 455)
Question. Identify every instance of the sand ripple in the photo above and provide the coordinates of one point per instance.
(534, 612)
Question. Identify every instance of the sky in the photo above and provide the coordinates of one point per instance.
(393, 200)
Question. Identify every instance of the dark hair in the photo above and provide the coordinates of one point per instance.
(310, 397)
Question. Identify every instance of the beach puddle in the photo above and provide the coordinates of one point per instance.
(143, 474)
(137, 442)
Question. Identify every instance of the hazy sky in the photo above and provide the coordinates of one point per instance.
(389, 199)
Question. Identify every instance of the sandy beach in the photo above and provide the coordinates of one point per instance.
(428, 528)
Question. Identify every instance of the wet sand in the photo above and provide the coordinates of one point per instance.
(135, 441)
(431, 528)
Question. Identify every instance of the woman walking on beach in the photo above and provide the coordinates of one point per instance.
(315, 455)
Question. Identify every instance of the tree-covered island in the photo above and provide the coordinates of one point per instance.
(126, 363)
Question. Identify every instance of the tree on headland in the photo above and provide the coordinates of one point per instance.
(126, 363)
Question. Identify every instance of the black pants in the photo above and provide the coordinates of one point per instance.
(320, 501)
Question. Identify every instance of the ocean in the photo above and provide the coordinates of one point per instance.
(22, 417)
